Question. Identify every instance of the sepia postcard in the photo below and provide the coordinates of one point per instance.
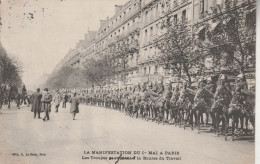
(128, 82)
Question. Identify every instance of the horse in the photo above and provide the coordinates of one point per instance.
(155, 103)
(13, 94)
(173, 105)
(249, 108)
(202, 103)
(241, 107)
(219, 109)
(184, 103)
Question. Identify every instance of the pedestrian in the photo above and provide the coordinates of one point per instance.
(57, 100)
(24, 95)
(36, 105)
(47, 104)
(65, 100)
(74, 107)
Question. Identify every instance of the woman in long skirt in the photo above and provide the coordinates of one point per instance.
(74, 107)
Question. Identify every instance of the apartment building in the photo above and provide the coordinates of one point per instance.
(127, 39)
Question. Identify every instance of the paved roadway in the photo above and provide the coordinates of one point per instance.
(62, 140)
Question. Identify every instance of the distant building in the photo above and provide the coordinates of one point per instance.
(128, 38)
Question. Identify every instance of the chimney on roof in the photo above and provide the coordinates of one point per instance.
(118, 8)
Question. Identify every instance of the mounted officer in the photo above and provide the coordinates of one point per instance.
(221, 103)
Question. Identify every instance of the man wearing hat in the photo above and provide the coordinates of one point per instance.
(222, 98)
(57, 100)
(36, 105)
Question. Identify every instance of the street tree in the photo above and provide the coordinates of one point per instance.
(235, 33)
(177, 47)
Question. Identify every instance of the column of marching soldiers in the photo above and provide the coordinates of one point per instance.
(183, 105)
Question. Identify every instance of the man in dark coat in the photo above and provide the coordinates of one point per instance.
(36, 105)
(74, 107)
(65, 100)
(24, 95)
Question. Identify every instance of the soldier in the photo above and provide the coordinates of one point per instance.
(167, 94)
(24, 95)
(173, 100)
(47, 104)
(160, 89)
(221, 102)
(202, 101)
(210, 85)
(64, 99)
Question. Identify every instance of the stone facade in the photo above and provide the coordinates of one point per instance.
(136, 24)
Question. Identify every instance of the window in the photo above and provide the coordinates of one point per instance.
(146, 15)
(202, 6)
(183, 15)
(145, 70)
(175, 18)
(151, 33)
(156, 13)
(149, 70)
(156, 70)
(145, 36)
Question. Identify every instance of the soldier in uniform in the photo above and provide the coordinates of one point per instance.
(221, 103)
(24, 95)
(167, 94)
(47, 104)
(160, 89)
(173, 100)
(64, 99)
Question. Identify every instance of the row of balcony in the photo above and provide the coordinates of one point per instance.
(120, 22)
(129, 30)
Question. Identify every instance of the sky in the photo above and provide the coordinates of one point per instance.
(41, 32)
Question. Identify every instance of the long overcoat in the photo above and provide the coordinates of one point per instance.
(74, 107)
(36, 104)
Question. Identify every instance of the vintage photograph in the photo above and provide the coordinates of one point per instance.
(127, 81)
